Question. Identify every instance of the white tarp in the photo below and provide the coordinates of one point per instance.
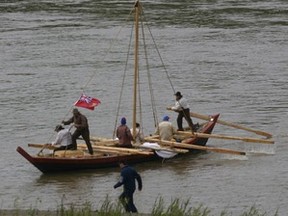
(160, 153)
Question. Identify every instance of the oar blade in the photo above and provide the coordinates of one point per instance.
(221, 136)
(231, 124)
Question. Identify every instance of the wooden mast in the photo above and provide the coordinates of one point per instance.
(135, 66)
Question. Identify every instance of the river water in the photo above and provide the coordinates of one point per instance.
(227, 57)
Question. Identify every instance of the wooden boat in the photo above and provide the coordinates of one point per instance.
(48, 163)
(110, 156)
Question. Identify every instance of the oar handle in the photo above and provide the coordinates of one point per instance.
(42, 146)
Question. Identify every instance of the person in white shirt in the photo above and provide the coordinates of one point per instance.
(181, 106)
(165, 129)
(63, 138)
(139, 138)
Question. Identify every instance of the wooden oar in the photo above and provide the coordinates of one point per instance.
(197, 147)
(34, 145)
(219, 136)
(206, 117)
(41, 150)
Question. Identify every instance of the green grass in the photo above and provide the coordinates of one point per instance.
(108, 208)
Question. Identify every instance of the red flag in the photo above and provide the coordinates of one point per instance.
(87, 102)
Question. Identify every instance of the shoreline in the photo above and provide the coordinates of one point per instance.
(36, 212)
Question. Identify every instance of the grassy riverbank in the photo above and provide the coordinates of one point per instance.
(175, 208)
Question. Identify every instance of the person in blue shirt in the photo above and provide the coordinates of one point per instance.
(127, 179)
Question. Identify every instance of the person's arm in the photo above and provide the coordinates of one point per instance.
(71, 120)
(139, 180)
(129, 134)
(177, 106)
(141, 136)
(119, 183)
(174, 130)
(157, 130)
(58, 139)
(117, 133)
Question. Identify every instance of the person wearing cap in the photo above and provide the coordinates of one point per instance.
(165, 129)
(80, 122)
(63, 138)
(124, 135)
(182, 107)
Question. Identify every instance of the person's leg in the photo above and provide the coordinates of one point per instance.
(75, 135)
(60, 148)
(131, 206)
(123, 200)
(69, 147)
(188, 118)
(180, 120)
(86, 137)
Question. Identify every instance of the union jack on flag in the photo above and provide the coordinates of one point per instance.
(87, 102)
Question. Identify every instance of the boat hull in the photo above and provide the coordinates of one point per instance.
(207, 130)
(54, 164)
(48, 164)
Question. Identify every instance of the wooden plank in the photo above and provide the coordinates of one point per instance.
(116, 150)
(81, 147)
(219, 136)
(206, 117)
(104, 142)
(120, 149)
(197, 147)
(107, 151)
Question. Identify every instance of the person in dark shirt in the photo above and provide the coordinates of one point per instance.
(82, 128)
(124, 135)
(127, 179)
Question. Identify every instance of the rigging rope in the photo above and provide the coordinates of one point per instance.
(123, 81)
(154, 110)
